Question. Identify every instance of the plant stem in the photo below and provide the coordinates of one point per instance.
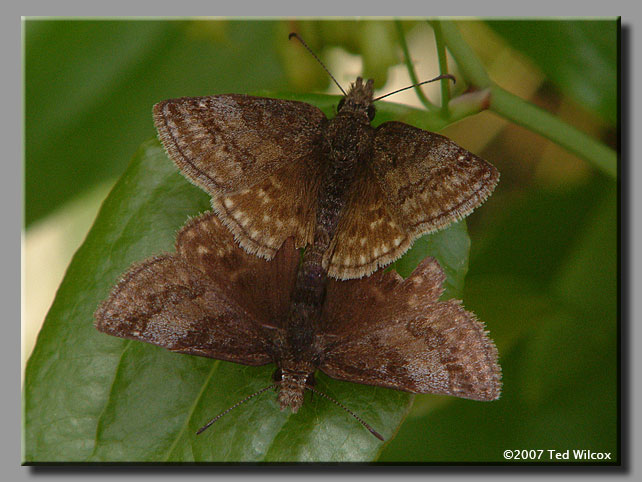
(522, 112)
(411, 69)
(443, 69)
(467, 60)
(537, 120)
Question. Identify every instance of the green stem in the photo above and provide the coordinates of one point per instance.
(443, 69)
(524, 113)
(467, 60)
(537, 120)
(411, 69)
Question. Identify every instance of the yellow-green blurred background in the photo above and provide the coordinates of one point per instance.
(543, 270)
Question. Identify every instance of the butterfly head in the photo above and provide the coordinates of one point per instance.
(359, 99)
(292, 385)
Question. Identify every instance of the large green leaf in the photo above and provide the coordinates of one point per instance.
(92, 397)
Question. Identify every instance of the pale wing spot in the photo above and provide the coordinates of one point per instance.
(228, 203)
(254, 233)
(189, 235)
(363, 241)
(347, 261)
(261, 193)
(397, 241)
(375, 252)
(241, 218)
(362, 259)
(202, 250)
(266, 200)
(384, 248)
(266, 218)
(276, 183)
(461, 158)
(279, 223)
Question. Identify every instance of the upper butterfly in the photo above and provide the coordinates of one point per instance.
(264, 162)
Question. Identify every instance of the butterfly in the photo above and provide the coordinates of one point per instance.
(213, 299)
(265, 161)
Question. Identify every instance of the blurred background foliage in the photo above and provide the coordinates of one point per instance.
(543, 269)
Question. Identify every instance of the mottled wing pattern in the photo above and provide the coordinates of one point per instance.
(369, 234)
(358, 303)
(397, 335)
(167, 302)
(417, 182)
(210, 299)
(227, 143)
(262, 288)
(263, 216)
(428, 180)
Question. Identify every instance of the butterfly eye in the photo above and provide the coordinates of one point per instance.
(371, 112)
(311, 381)
(341, 102)
(276, 376)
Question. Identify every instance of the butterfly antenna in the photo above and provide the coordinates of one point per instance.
(207, 425)
(443, 76)
(361, 421)
(294, 34)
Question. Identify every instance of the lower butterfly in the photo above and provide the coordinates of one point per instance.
(210, 299)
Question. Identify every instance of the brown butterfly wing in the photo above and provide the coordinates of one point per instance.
(369, 234)
(417, 182)
(428, 180)
(262, 288)
(263, 216)
(166, 302)
(397, 335)
(227, 143)
(209, 299)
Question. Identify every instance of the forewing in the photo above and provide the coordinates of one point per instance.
(428, 180)
(227, 143)
(262, 288)
(167, 302)
(403, 338)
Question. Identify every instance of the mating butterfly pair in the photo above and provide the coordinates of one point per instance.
(264, 162)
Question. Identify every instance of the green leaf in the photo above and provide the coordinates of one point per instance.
(92, 397)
